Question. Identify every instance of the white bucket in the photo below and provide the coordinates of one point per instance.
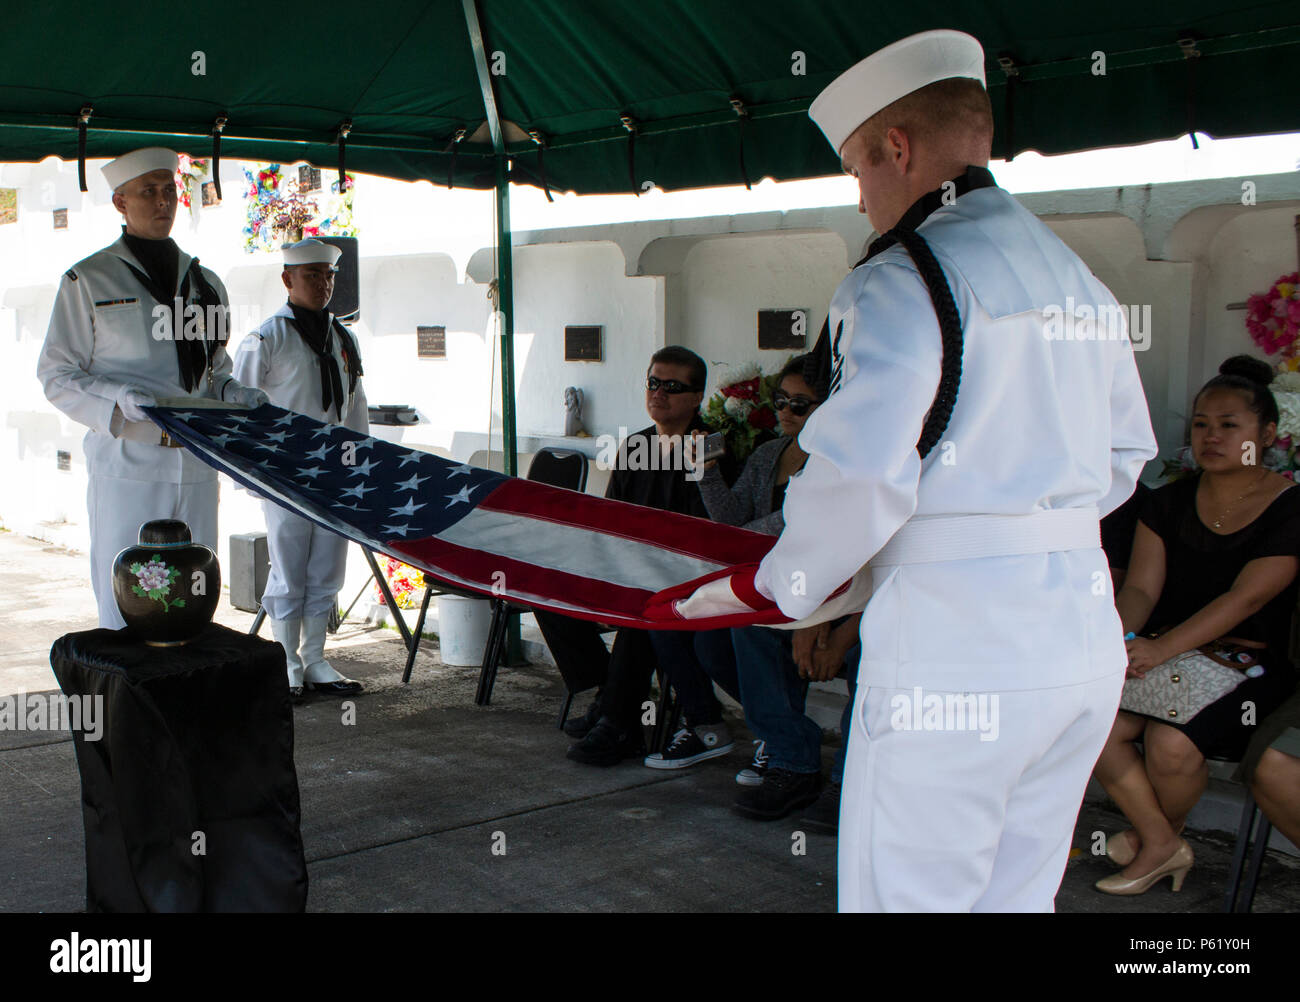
(463, 625)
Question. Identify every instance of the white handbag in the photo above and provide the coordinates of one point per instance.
(1177, 690)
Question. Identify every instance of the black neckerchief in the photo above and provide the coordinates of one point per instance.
(318, 333)
(161, 260)
(824, 367)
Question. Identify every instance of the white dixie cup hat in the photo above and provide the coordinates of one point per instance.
(891, 73)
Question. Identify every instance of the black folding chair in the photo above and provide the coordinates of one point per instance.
(558, 468)
(1236, 896)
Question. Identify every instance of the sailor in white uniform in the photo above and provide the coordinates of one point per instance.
(307, 362)
(992, 655)
(134, 323)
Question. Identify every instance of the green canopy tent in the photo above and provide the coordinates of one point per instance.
(599, 96)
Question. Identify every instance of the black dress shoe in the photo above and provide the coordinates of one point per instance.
(823, 817)
(781, 792)
(580, 727)
(339, 687)
(605, 744)
(295, 693)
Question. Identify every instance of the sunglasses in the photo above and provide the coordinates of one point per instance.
(671, 386)
(799, 406)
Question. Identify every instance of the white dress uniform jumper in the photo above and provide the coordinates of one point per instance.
(103, 337)
(992, 654)
(308, 562)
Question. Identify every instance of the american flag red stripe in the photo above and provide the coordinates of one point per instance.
(478, 531)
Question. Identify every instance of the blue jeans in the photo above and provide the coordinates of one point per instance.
(693, 661)
(774, 697)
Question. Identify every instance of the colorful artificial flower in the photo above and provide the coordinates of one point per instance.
(278, 212)
(404, 581)
(1273, 317)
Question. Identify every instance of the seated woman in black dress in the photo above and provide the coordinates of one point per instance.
(1214, 556)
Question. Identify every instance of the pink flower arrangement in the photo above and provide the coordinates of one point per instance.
(1273, 318)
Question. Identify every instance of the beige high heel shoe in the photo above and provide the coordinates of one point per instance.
(1122, 849)
(1176, 866)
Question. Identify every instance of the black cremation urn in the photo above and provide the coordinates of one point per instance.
(167, 587)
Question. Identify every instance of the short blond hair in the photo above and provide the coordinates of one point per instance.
(956, 109)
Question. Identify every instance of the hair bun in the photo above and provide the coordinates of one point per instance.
(1247, 367)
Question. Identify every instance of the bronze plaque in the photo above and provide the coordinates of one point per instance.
(783, 330)
(308, 178)
(431, 342)
(582, 344)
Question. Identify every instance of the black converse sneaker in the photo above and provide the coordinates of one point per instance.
(752, 774)
(691, 745)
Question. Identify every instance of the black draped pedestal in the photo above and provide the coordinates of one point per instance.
(189, 797)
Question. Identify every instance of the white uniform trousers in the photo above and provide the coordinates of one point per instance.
(307, 565)
(118, 508)
(941, 821)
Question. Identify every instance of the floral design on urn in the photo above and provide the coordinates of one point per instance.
(167, 586)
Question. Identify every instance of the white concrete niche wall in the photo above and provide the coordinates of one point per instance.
(1113, 247)
(727, 280)
(582, 284)
(1246, 255)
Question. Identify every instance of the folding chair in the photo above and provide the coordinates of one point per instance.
(1235, 893)
(558, 468)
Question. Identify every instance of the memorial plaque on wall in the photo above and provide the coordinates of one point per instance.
(431, 342)
(308, 178)
(582, 344)
(783, 329)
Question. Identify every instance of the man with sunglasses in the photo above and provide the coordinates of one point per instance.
(307, 362)
(649, 471)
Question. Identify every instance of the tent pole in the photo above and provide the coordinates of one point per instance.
(514, 649)
(505, 302)
(506, 316)
(505, 275)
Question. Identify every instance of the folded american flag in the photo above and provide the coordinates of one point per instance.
(483, 532)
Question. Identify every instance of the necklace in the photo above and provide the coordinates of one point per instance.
(1218, 522)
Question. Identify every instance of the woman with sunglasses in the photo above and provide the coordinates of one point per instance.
(754, 501)
(786, 773)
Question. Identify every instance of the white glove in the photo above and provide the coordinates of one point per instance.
(248, 396)
(130, 400)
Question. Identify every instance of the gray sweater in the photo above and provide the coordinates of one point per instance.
(749, 502)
